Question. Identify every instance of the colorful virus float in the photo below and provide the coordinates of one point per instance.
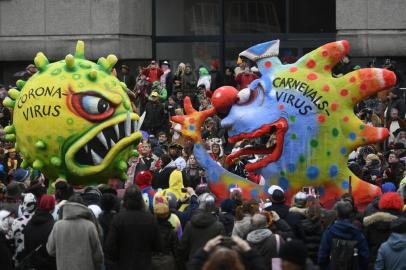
(307, 111)
(73, 119)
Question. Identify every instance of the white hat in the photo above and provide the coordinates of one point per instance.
(272, 188)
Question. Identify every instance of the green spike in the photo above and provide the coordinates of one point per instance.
(40, 145)
(122, 165)
(56, 161)
(8, 102)
(123, 176)
(24, 164)
(70, 62)
(111, 61)
(10, 137)
(102, 62)
(9, 129)
(123, 85)
(14, 93)
(92, 75)
(38, 164)
(20, 84)
(80, 50)
(41, 61)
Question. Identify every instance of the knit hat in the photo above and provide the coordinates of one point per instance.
(228, 205)
(278, 196)
(294, 251)
(143, 179)
(47, 203)
(20, 175)
(161, 205)
(388, 187)
(391, 200)
(399, 225)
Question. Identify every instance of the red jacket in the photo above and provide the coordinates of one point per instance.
(152, 74)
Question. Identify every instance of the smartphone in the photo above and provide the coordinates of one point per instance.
(183, 190)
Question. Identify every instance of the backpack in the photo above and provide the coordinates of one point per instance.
(344, 255)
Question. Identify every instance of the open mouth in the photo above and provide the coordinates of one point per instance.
(95, 149)
(267, 146)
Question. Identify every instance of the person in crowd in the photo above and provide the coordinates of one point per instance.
(211, 129)
(155, 120)
(91, 197)
(36, 235)
(158, 88)
(372, 172)
(202, 227)
(243, 215)
(148, 160)
(30, 70)
(392, 253)
(298, 209)
(216, 151)
(294, 256)
(204, 78)
(127, 77)
(216, 77)
(394, 173)
(133, 234)
(395, 101)
(373, 206)
(377, 226)
(78, 225)
(229, 78)
(191, 172)
(63, 191)
(162, 145)
(343, 244)
(226, 216)
(176, 184)
(175, 151)
(221, 253)
(108, 205)
(189, 81)
(152, 73)
(177, 78)
(161, 178)
(167, 77)
(6, 258)
(171, 105)
(204, 104)
(264, 241)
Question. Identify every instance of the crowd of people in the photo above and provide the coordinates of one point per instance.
(165, 217)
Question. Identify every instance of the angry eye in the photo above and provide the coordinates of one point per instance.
(92, 107)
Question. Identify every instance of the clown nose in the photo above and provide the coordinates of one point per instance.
(223, 98)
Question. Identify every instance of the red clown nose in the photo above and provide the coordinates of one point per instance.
(224, 98)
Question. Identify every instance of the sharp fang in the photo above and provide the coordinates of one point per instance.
(96, 158)
(141, 120)
(128, 125)
(135, 126)
(102, 139)
(112, 143)
(117, 131)
(86, 149)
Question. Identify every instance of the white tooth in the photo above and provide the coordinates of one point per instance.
(86, 149)
(141, 120)
(102, 139)
(135, 126)
(96, 158)
(117, 131)
(112, 143)
(127, 125)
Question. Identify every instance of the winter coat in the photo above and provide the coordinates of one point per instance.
(242, 227)
(155, 116)
(228, 222)
(282, 228)
(283, 212)
(132, 238)
(6, 257)
(201, 228)
(251, 260)
(105, 219)
(343, 229)
(189, 84)
(392, 253)
(74, 240)
(298, 215)
(36, 233)
(310, 231)
(161, 178)
(372, 207)
(377, 230)
(266, 243)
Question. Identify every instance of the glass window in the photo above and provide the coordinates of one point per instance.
(312, 16)
(254, 16)
(187, 17)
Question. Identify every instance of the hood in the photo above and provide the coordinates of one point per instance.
(397, 241)
(258, 236)
(41, 217)
(203, 71)
(344, 229)
(176, 184)
(202, 219)
(76, 211)
(381, 217)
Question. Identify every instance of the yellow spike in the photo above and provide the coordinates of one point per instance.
(56, 161)
(14, 93)
(123, 176)
(92, 75)
(24, 164)
(20, 84)
(38, 164)
(102, 62)
(111, 60)
(10, 129)
(40, 145)
(122, 165)
(8, 102)
(70, 62)
(10, 137)
(41, 61)
(80, 50)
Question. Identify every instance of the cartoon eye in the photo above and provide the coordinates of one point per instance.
(92, 107)
(244, 95)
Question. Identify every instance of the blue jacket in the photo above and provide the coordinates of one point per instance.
(392, 253)
(343, 229)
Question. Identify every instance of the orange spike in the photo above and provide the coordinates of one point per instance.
(324, 58)
(365, 82)
(373, 134)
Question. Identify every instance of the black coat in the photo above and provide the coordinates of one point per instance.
(161, 178)
(283, 211)
(310, 231)
(36, 233)
(228, 222)
(201, 228)
(6, 256)
(155, 116)
(132, 238)
(105, 219)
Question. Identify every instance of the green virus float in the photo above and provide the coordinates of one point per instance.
(73, 119)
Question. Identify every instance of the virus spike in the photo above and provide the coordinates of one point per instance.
(8, 102)
(38, 164)
(122, 165)
(102, 62)
(41, 145)
(325, 57)
(14, 93)
(41, 61)
(70, 62)
(124, 86)
(92, 75)
(10, 137)
(123, 176)
(9, 129)
(80, 50)
(24, 164)
(20, 84)
(107, 64)
(111, 60)
(374, 134)
(365, 82)
(56, 161)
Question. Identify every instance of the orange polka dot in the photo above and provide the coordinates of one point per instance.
(311, 63)
(324, 53)
(334, 106)
(326, 88)
(353, 79)
(293, 69)
(191, 120)
(312, 76)
(268, 64)
(346, 118)
(344, 92)
(321, 118)
(327, 67)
